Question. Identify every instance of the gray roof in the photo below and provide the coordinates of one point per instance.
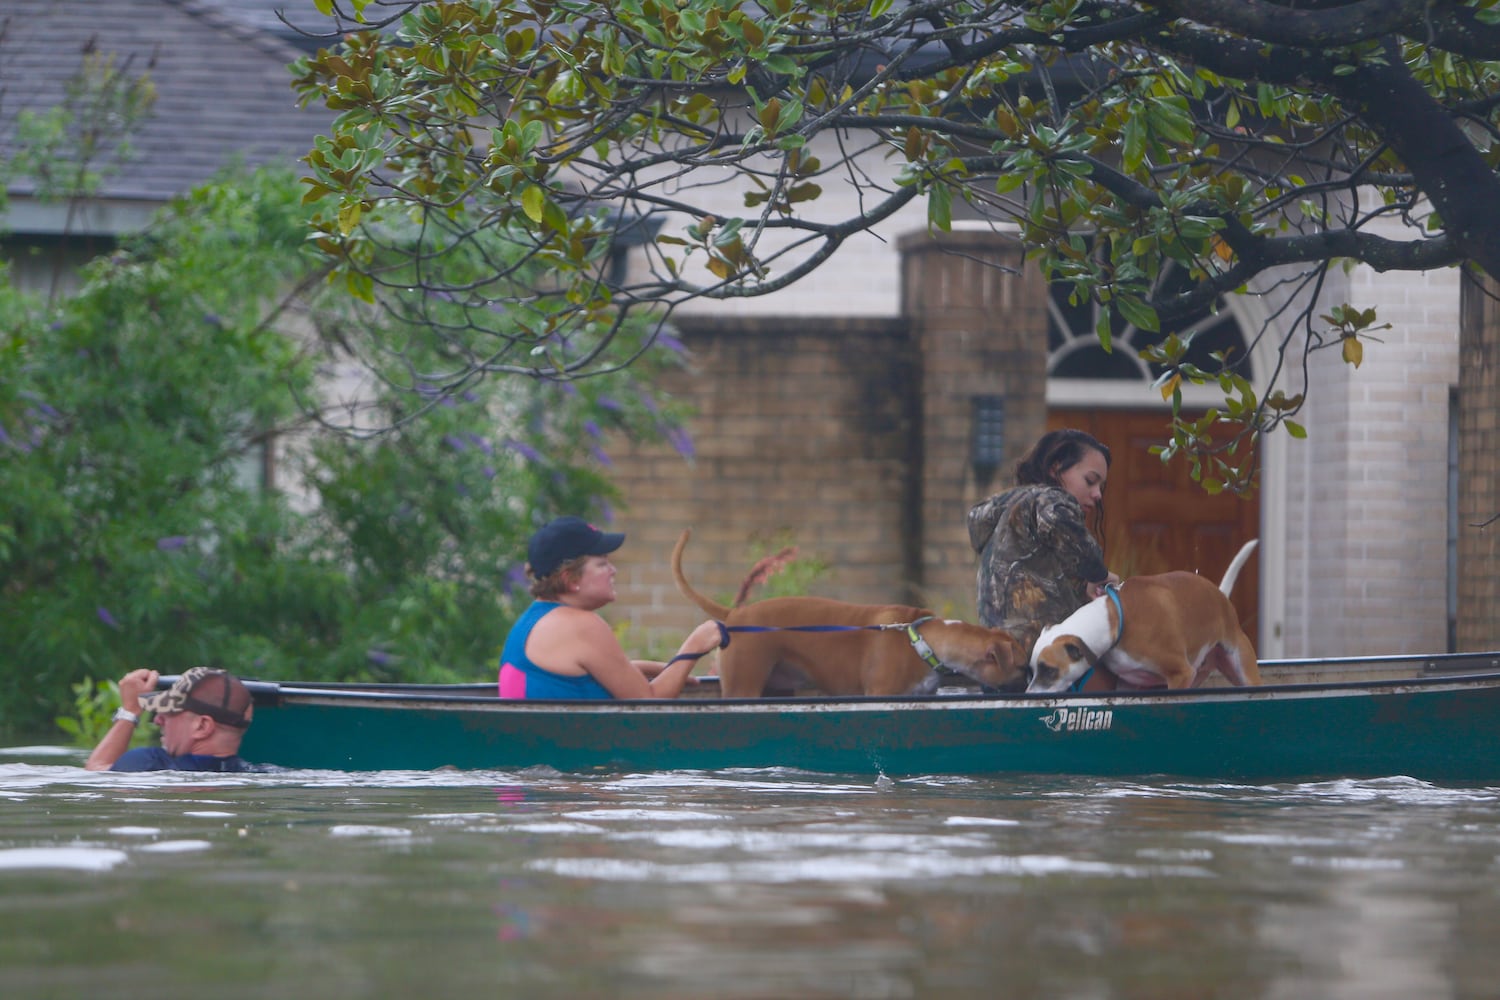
(222, 84)
(296, 22)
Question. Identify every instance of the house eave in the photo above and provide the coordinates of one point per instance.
(105, 217)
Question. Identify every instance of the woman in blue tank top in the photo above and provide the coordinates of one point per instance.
(561, 647)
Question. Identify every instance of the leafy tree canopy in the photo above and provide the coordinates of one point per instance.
(1235, 140)
(135, 420)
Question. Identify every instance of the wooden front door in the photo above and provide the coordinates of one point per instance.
(1157, 518)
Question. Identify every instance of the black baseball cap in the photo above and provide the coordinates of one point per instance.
(566, 538)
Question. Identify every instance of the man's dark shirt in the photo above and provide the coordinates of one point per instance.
(157, 759)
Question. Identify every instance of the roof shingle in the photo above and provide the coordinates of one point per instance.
(222, 85)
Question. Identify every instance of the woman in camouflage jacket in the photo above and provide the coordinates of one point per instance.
(1038, 560)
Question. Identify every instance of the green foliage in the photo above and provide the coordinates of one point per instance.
(1231, 142)
(137, 418)
(94, 704)
(793, 576)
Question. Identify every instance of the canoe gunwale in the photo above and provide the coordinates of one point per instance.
(457, 698)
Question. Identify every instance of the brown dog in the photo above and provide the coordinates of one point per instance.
(1173, 628)
(854, 658)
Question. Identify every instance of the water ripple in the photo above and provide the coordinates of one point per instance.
(84, 859)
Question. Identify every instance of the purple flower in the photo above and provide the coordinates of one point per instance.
(4, 437)
(480, 443)
(523, 449)
(379, 657)
(649, 404)
(455, 442)
(489, 471)
(592, 429)
(517, 577)
(468, 396)
(682, 441)
(447, 403)
(171, 542)
(610, 403)
(107, 618)
(671, 343)
(599, 454)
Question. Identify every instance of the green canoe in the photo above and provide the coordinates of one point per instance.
(1434, 717)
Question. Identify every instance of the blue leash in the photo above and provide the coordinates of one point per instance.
(918, 643)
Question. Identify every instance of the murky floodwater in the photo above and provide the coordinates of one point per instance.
(757, 884)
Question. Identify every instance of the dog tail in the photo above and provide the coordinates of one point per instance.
(1233, 572)
(764, 568)
(714, 610)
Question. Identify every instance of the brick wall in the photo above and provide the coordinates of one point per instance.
(802, 433)
(849, 437)
(979, 316)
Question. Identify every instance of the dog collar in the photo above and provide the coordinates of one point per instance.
(920, 645)
(1113, 593)
(1114, 597)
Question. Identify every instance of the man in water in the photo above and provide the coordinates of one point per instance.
(203, 717)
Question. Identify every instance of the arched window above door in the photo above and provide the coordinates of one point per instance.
(1074, 351)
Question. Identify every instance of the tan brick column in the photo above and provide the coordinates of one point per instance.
(1479, 466)
(978, 317)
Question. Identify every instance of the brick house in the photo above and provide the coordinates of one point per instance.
(842, 412)
(849, 412)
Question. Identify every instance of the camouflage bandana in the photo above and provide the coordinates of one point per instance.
(217, 694)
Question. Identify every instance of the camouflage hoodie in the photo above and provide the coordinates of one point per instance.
(1036, 559)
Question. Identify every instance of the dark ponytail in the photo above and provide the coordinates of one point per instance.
(1055, 453)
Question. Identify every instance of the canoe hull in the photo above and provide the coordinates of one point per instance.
(1434, 728)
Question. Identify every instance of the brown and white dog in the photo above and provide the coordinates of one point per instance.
(1177, 628)
(852, 658)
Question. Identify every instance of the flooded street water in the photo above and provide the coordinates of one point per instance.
(761, 884)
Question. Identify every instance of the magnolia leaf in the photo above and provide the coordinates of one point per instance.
(349, 214)
(1141, 315)
(1354, 351)
(532, 201)
(940, 207)
(803, 192)
(1135, 142)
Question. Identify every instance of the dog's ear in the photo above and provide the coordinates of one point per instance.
(1008, 656)
(1078, 651)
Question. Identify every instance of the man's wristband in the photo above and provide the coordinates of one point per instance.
(123, 716)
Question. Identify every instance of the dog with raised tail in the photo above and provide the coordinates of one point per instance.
(1170, 629)
(851, 649)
